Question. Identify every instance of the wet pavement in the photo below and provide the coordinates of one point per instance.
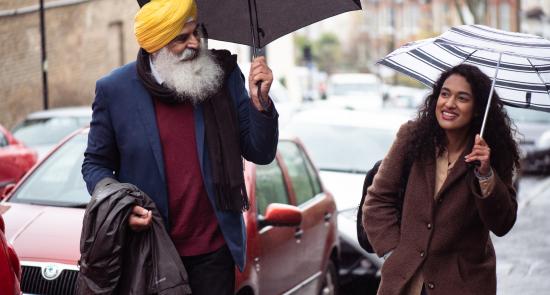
(523, 255)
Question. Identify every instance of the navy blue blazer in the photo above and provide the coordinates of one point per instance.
(124, 143)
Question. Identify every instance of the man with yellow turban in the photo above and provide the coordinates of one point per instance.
(176, 124)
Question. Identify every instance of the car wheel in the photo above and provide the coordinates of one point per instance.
(330, 281)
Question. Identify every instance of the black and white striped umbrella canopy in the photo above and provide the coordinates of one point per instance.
(521, 61)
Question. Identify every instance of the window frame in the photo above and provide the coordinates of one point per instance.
(314, 180)
(284, 175)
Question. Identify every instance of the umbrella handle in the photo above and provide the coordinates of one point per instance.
(473, 164)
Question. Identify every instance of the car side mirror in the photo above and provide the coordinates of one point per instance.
(5, 191)
(281, 215)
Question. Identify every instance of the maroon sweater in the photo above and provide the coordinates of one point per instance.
(193, 224)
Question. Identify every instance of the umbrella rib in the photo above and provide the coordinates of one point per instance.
(469, 55)
(540, 77)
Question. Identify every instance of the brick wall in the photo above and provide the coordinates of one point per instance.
(84, 42)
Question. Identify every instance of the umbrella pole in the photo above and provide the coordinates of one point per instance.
(263, 102)
(254, 54)
(490, 96)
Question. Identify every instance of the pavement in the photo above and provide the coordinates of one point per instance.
(523, 255)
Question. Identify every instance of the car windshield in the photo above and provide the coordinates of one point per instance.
(519, 115)
(57, 181)
(352, 149)
(34, 132)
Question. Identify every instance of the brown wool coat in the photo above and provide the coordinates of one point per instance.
(447, 238)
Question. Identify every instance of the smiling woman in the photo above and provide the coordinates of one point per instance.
(447, 204)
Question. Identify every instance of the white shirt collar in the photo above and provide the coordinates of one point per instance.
(154, 71)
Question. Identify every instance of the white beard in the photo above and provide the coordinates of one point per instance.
(195, 79)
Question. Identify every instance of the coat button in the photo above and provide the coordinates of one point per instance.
(431, 285)
(422, 253)
(429, 226)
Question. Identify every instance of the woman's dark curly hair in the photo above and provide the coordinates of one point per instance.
(428, 137)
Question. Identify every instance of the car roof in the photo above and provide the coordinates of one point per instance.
(83, 111)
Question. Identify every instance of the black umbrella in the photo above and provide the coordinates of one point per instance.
(258, 22)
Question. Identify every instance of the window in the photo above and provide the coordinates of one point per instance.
(315, 182)
(58, 179)
(304, 181)
(270, 186)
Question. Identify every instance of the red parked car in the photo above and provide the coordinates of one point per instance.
(291, 225)
(10, 271)
(15, 159)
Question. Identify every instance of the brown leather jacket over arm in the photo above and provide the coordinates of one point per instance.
(116, 260)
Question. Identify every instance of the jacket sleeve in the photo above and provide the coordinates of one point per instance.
(380, 213)
(498, 210)
(101, 157)
(259, 132)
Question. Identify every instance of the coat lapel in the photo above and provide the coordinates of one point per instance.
(146, 112)
(429, 175)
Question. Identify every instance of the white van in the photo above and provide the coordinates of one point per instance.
(355, 89)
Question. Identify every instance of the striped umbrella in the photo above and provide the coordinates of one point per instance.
(519, 63)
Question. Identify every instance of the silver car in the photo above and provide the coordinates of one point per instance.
(42, 130)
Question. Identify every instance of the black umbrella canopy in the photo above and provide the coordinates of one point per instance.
(231, 20)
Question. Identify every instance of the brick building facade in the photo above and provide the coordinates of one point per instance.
(393, 23)
(85, 39)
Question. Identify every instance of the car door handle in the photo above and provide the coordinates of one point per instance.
(328, 216)
(299, 233)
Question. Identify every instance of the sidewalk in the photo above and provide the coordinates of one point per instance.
(523, 255)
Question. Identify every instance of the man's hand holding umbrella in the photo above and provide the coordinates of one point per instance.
(260, 76)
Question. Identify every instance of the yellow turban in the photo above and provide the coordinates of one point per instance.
(160, 21)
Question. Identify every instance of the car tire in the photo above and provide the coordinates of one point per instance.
(330, 280)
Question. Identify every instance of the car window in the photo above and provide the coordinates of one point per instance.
(519, 115)
(83, 121)
(3, 140)
(45, 131)
(351, 149)
(315, 181)
(270, 186)
(305, 188)
(58, 180)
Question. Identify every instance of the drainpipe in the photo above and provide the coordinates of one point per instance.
(44, 60)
